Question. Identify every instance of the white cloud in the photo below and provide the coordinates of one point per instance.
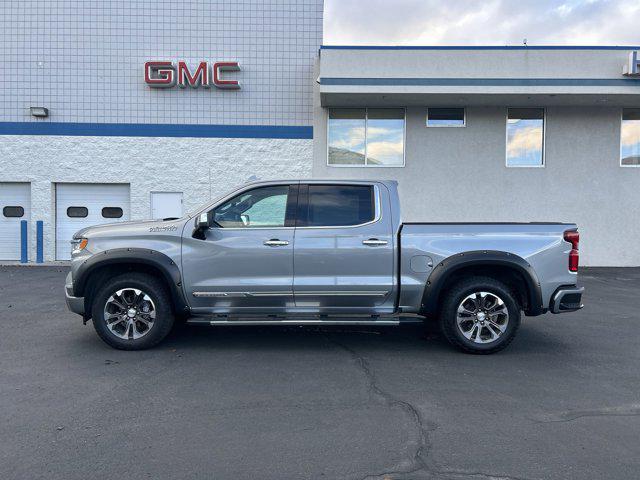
(376, 132)
(524, 141)
(490, 22)
(385, 150)
(631, 133)
(564, 10)
(349, 139)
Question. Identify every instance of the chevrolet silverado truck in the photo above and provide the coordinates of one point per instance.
(320, 252)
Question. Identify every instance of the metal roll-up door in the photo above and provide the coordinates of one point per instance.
(80, 205)
(15, 206)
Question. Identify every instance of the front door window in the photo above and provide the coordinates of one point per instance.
(264, 207)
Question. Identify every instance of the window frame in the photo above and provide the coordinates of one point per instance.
(544, 139)
(76, 216)
(620, 138)
(4, 214)
(289, 214)
(119, 208)
(464, 118)
(366, 127)
(303, 204)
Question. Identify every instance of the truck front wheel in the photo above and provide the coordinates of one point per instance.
(132, 311)
(480, 315)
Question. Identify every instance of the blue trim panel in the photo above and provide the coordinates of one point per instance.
(476, 47)
(24, 257)
(155, 130)
(492, 82)
(39, 242)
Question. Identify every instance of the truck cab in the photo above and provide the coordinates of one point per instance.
(295, 248)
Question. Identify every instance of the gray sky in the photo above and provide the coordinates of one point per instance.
(482, 22)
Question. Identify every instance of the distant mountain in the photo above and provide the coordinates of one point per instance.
(343, 156)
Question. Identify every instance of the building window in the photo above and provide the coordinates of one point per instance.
(112, 212)
(445, 117)
(630, 138)
(366, 137)
(525, 137)
(13, 211)
(77, 212)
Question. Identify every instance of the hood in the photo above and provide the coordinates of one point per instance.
(129, 228)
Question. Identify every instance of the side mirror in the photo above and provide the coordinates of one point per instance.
(201, 224)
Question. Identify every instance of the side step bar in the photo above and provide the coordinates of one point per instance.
(240, 321)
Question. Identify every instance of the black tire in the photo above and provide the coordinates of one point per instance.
(160, 297)
(455, 296)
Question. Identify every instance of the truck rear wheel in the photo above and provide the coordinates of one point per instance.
(132, 311)
(480, 315)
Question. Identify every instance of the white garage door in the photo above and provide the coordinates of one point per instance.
(15, 205)
(80, 205)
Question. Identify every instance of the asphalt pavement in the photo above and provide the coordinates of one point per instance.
(562, 402)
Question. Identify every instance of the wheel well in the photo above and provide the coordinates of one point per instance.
(100, 274)
(510, 276)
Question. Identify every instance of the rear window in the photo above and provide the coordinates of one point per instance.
(77, 212)
(112, 212)
(13, 211)
(339, 205)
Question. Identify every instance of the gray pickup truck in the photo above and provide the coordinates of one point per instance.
(320, 252)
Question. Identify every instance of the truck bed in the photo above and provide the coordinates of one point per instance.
(425, 245)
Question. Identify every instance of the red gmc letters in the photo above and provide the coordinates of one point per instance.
(162, 74)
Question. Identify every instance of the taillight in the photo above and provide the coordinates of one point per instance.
(573, 237)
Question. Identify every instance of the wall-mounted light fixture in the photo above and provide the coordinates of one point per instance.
(40, 112)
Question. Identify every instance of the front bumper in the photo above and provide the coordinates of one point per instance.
(75, 304)
(567, 299)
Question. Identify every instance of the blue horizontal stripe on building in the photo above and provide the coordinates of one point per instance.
(483, 82)
(155, 130)
(478, 47)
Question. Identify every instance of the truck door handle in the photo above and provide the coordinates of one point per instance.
(274, 242)
(374, 242)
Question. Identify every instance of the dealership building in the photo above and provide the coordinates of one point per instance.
(127, 111)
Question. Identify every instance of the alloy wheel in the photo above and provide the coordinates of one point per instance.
(482, 317)
(129, 313)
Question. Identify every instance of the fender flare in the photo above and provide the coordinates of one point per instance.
(443, 271)
(123, 256)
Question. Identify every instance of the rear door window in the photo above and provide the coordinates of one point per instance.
(338, 206)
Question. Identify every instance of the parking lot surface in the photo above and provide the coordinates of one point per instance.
(562, 402)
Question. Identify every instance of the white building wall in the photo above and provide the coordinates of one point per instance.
(459, 175)
(201, 168)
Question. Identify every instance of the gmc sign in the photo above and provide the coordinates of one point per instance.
(163, 74)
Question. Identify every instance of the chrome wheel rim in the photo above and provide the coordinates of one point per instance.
(129, 313)
(482, 317)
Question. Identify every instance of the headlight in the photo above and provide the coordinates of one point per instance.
(78, 244)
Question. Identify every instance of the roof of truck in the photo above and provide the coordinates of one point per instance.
(321, 180)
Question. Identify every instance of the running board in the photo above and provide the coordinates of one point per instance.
(313, 321)
(304, 322)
